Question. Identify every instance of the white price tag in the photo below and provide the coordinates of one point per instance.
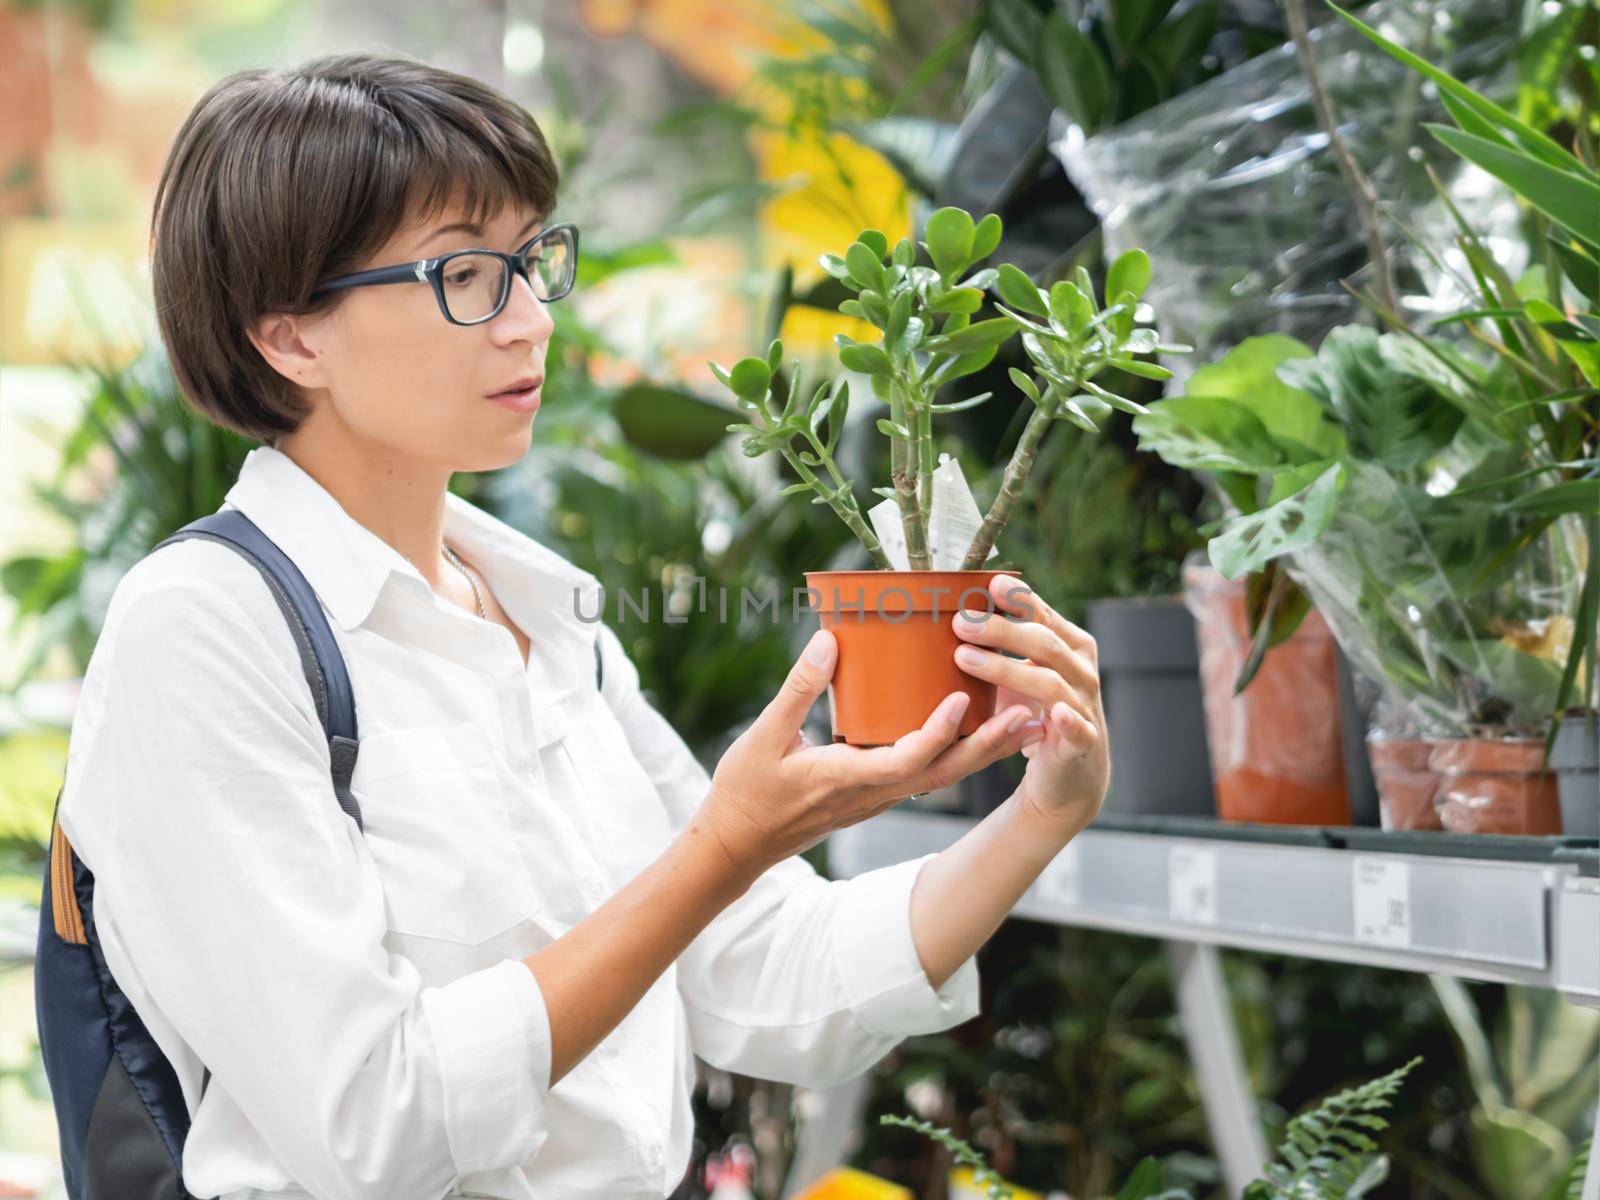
(1192, 885)
(1058, 882)
(1383, 902)
(885, 519)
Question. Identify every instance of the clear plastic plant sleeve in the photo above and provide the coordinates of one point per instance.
(1232, 189)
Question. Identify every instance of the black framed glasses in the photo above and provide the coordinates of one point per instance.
(472, 286)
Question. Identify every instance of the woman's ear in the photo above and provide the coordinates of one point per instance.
(288, 343)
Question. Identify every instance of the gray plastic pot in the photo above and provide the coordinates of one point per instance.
(1150, 688)
(1575, 758)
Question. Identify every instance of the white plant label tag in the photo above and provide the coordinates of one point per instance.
(1192, 885)
(885, 518)
(1382, 898)
(954, 520)
(1058, 882)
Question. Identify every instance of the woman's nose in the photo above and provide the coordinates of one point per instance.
(525, 317)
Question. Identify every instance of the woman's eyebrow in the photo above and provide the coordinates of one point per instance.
(473, 228)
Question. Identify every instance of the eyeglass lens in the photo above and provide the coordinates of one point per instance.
(474, 283)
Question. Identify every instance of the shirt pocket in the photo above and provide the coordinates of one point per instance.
(624, 806)
(435, 818)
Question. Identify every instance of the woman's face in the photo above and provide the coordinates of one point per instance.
(394, 372)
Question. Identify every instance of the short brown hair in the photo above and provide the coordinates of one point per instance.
(281, 178)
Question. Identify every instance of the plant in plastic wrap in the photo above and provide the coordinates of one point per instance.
(1233, 191)
(1439, 503)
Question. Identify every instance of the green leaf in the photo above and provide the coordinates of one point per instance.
(980, 336)
(985, 238)
(835, 266)
(1072, 71)
(1025, 384)
(1145, 1182)
(1568, 198)
(958, 405)
(1540, 145)
(1069, 305)
(1248, 376)
(865, 267)
(1580, 496)
(1114, 400)
(1017, 290)
(1395, 419)
(1208, 433)
(750, 378)
(905, 253)
(1130, 273)
(1144, 370)
(794, 489)
(962, 300)
(889, 427)
(899, 314)
(1255, 538)
(1015, 25)
(774, 355)
(1131, 20)
(874, 240)
(869, 360)
(949, 236)
(1582, 271)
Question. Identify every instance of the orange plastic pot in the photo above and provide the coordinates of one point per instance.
(897, 648)
(1496, 785)
(1277, 749)
(1407, 787)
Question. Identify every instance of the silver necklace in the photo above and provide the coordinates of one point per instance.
(460, 566)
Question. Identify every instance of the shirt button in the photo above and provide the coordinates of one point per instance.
(655, 1156)
(593, 890)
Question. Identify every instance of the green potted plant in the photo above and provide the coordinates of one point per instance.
(927, 540)
(1438, 504)
(1327, 1153)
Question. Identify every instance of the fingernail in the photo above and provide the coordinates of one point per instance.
(969, 656)
(1032, 732)
(1020, 720)
(956, 708)
(817, 648)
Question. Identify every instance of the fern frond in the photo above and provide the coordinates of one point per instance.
(1327, 1154)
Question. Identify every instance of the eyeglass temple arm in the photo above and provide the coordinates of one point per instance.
(404, 273)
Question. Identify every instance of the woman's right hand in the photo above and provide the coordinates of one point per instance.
(774, 795)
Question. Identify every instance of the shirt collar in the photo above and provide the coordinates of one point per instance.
(348, 565)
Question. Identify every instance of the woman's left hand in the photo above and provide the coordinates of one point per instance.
(1069, 769)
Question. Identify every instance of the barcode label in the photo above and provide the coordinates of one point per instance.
(1192, 885)
(1382, 895)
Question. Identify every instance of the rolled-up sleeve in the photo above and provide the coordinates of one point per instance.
(240, 903)
(802, 979)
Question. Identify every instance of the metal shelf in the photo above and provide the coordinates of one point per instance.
(1531, 918)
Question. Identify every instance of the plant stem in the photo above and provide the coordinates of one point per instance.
(1011, 483)
(1362, 192)
(847, 512)
(903, 473)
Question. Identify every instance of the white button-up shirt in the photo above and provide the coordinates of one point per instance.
(360, 998)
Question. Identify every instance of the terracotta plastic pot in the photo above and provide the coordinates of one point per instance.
(897, 648)
(1407, 786)
(1496, 785)
(1277, 751)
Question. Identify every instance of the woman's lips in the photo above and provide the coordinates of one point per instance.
(523, 400)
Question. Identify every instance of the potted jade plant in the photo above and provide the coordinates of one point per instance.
(1434, 494)
(927, 540)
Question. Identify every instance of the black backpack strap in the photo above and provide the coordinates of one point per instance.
(599, 665)
(320, 658)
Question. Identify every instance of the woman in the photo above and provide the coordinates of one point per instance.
(499, 987)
